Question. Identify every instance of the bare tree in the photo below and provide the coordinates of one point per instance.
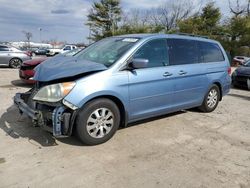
(238, 8)
(248, 8)
(136, 17)
(165, 17)
(171, 12)
(28, 35)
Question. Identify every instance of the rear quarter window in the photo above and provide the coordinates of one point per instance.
(210, 52)
(183, 51)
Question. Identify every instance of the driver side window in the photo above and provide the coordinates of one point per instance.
(155, 51)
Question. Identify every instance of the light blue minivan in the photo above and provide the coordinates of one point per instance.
(123, 79)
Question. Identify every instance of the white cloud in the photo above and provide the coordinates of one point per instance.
(142, 4)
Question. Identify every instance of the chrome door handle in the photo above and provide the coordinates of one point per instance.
(182, 72)
(167, 74)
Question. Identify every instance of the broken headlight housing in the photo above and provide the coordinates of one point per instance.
(54, 92)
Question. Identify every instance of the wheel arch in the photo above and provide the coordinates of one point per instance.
(220, 88)
(118, 102)
(15, 58)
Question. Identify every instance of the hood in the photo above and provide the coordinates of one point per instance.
(243, 70)
(63, 67)
(35, 61)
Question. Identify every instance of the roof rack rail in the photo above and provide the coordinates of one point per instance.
(192, 35)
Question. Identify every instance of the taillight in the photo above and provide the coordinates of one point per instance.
(28, 53)
(229, 70)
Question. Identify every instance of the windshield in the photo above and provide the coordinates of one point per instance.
(247, 64)
(107, 51)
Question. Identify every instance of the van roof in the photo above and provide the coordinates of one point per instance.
(177, 35)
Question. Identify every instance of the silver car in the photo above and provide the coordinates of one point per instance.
(11, 56)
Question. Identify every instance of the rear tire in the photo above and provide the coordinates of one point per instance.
(15, 63)
(97, 121)
(211, 99)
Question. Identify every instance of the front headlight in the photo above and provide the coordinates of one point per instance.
(54, 92)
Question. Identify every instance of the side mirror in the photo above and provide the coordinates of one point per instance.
(139, 63)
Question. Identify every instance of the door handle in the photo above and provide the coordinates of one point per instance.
(167, 74)
(182, 72)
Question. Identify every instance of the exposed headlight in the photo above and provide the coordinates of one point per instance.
(54, 92)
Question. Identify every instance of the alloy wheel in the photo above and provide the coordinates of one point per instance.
(15, 63)
(100, 122)
(212, 98)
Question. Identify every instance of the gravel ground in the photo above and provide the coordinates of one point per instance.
(184, 149)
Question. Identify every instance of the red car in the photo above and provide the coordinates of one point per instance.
(26, 71)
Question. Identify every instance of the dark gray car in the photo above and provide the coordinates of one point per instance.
(12, 56)
(241, 76)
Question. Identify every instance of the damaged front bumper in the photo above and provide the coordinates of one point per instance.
(56, 118)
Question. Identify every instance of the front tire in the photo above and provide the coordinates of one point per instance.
(97, 121)
(211, 99)
(15, 63)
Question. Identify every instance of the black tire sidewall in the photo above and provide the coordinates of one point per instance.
(83, 115)
(11, 61)
(205, 106)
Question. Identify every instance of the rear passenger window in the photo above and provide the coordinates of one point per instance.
(155, 51)
(210, 52)
(4, 48)
(183, 51)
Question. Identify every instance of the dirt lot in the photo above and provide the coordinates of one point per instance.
(184, 149)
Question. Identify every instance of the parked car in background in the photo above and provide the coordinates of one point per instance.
(41, 51)
(26, 71)
(123, 79)
(32, 50)
(12, 56)
(54, 51)
(71, 52)
(240, 60)
(241, 76)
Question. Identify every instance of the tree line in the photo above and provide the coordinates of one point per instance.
(106, 18)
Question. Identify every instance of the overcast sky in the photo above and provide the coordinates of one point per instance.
(62, 20)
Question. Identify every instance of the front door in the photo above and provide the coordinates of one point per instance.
(151, 88)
